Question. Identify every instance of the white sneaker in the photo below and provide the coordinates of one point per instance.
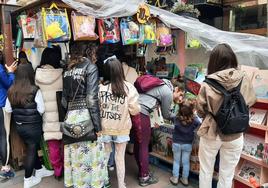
(43, 172)
(31, 181)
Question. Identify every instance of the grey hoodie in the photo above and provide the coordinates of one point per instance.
(165, 95)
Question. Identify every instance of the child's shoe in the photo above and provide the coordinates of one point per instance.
(173, 180)
(184, 181)
(43, 172)
(31, 181)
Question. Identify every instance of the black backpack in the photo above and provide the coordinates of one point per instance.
(233, 114)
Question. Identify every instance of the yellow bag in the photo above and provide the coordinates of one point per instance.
(56, 24)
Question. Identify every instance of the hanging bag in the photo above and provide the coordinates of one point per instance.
(163, 35)
(39, 39)
(56, 24)
(28, 25)
(83, 27)
(148, 33)
(109, 30)
(129, 31)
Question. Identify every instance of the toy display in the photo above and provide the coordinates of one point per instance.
(83, 27)
(56, 24)
(163, 35)
(129, 31)
(109, 30)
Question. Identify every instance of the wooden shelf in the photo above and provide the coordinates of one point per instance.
(238, 178)
(161, 157)
(254, 160)
(260, 127)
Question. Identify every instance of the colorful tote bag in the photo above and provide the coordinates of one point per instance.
(129, 31)
(109, 30)
(56, 24)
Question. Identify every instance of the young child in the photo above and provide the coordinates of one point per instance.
(185, 124)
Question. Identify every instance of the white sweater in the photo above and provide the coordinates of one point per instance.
(50, 80)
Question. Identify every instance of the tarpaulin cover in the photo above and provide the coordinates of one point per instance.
(250, 49)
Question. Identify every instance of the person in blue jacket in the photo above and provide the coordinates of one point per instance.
(6, 79)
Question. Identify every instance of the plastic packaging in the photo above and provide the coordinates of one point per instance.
(163, 35)
(129, 31)
(83, 27)
(109, 30)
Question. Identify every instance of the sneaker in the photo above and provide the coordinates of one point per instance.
(184, 181)
(173, 180)
(31, 181)
(148, 180)
(7, 174)
(111, 168)
(43, 172)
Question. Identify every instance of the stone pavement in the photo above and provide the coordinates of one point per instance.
(131, 179)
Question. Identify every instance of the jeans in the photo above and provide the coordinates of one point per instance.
(111, 158)
(181, 153)
(229, 157)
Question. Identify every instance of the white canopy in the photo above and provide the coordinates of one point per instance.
(250, 49)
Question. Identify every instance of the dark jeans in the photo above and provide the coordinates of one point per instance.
(141, 149)
(31, 135)
(3, 139)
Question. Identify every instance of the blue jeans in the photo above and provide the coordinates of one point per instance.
(111, 158)
(181, 152)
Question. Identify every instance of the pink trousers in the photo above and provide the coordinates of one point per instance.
(55, 149)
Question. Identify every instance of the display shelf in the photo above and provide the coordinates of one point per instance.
(254, 160)
(260, 127)
(236, 177)
(262, 100)
(161, 157)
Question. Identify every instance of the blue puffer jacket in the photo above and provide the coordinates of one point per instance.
(6, 80)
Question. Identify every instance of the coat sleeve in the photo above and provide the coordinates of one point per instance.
(202, 106)
(92, 99)
(133, 103)
(6, 78)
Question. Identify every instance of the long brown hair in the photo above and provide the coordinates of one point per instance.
(23, 86)
(79, 51)
(114, 73)
(222, 57)
(186, 112)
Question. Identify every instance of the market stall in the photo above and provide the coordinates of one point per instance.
(155, 41)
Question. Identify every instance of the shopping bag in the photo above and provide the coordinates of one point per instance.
(109, 30)
(28, 25)
(44, 148)
(129, 31)
(163, 35)
(55, 24)
(39, 39)
(148, 33)
(83, 27)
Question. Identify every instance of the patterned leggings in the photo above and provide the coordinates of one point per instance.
(120, 149)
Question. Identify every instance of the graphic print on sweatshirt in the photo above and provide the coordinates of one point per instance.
(110, 105)
(76, 74)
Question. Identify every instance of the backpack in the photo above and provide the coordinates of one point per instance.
(233, 114)
(147, 82)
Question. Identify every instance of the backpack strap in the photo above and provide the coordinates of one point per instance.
(216, 85)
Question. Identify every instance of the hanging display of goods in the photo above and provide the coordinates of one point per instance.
(109, 30)
(39, 39)
(27, 25)
(56, 24)
(129, 31)
(143, 13)
(83, 27)
(148, 32)
(163, 35)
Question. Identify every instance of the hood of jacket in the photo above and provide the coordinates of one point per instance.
(229, 78)
(47, 75)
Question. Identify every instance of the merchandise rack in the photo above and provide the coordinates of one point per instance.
(260, 130)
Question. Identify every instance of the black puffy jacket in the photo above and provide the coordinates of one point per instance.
(84, 79)
(27, 114)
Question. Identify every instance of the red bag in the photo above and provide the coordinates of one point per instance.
(147, 82)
